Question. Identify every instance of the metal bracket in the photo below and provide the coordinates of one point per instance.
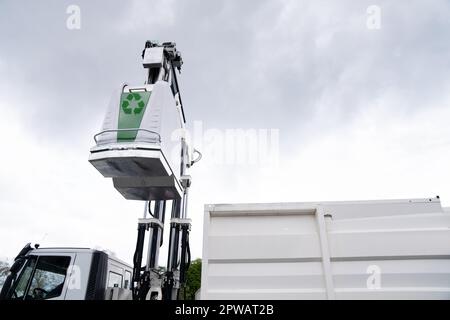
(181, 221)
(186, 181)
(151, 222)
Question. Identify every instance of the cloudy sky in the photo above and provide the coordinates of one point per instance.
(359, 112)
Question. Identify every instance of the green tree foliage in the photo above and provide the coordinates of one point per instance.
(193, 279)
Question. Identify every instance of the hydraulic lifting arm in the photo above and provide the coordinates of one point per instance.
(133, 149)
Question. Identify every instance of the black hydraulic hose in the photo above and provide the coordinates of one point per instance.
(162, 218)
(185, 260)
(137, 260)
(139, 244)
(184, 265)
(188, 264)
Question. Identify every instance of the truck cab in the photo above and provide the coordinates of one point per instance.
(67, 274)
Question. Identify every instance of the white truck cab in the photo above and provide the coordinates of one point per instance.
(67, 274)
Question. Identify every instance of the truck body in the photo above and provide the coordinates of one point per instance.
(67, 274)
(388, 249)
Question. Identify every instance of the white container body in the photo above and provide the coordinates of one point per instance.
(389, 249)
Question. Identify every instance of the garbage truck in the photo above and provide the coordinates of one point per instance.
(384, 249)
(378, 249)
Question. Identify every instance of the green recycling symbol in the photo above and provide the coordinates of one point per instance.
(139, 104)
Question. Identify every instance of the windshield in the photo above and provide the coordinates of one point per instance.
(47, 274)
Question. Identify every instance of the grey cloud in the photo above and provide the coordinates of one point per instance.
(247, 64)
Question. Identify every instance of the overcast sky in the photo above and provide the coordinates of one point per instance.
(361, 113)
